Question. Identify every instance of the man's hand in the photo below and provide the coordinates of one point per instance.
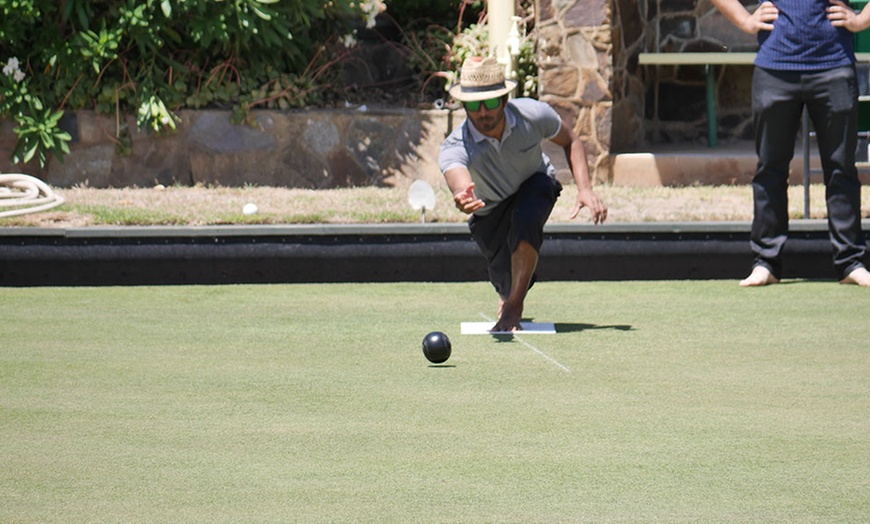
(841, 15)
(589, 199)
(466, 201)
(761, 20)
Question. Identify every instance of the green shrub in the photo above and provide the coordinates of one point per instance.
(150, 58)
(153, 57)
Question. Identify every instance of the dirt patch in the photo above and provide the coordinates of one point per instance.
(195, 206)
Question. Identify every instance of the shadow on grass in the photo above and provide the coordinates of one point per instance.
(563, 327)
(571, 327)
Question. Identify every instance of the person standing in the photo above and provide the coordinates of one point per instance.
(805, 60)
(495, 167)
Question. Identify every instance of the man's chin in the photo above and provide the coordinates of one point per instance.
(485, 126)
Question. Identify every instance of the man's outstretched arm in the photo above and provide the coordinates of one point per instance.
(576, 156)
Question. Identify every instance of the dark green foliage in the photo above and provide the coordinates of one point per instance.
(153, 57)
(439, 12)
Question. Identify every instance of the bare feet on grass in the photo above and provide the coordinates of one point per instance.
(859, 276)
(760, 276)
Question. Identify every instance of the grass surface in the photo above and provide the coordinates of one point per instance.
(656, 401)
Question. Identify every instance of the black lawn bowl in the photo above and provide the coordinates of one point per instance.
(436, 347)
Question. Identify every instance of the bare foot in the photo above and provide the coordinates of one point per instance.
(508, 319)
(760, 276)
(859, 276)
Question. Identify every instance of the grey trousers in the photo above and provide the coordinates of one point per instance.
(831, 100)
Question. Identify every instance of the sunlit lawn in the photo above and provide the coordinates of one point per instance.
(655, 401)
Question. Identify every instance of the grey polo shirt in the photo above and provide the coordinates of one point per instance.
(499, 167)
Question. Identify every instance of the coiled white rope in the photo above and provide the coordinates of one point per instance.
(25, 194)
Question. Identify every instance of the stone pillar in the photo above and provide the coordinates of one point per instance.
(629, 36)
(575, 73)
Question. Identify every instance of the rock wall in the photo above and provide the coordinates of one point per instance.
(575, 74)
(588, 58)
(314, 149)
(667, 104)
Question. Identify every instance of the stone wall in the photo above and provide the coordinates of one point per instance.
(666, 104)
(301, 149)
(575, 73)
(628, 29)
(588, 59)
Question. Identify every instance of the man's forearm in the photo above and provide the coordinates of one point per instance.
(576, 156)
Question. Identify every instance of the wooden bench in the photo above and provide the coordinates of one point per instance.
(707, 60)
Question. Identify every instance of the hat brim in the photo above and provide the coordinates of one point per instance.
(473, 96)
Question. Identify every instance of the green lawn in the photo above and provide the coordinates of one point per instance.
(656, 401)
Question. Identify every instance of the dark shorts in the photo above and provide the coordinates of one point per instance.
(519, 217)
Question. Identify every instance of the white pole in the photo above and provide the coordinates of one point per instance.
(501, 13)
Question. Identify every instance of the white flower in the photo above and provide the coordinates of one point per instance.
(11, 66)
(349, 40)
(371, 9)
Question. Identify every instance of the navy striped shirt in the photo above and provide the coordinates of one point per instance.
(803, 39)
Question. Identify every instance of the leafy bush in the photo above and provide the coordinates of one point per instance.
(37, 127)
(153, 57)
(150, 58)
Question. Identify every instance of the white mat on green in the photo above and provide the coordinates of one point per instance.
(529, 328)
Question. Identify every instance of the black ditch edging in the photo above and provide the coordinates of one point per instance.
(386, 253)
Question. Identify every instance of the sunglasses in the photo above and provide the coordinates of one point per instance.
(491, 103)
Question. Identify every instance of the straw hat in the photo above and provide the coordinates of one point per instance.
(480, 79)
